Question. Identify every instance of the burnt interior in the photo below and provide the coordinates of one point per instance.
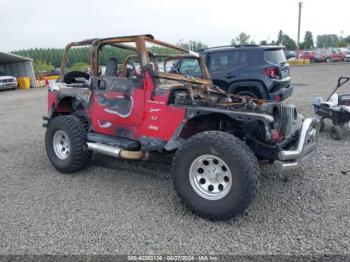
(184, 78)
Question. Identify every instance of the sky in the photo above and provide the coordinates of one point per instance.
(44, 23)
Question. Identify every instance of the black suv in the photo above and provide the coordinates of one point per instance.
(253, 70)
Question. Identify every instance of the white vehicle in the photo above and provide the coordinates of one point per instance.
(7, 82)
(347, 56)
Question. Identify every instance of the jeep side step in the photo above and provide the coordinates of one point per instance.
(113, 141)
(115, 146)
(117, 152)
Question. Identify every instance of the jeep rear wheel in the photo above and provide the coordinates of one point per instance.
(65, 142)
(215, 174)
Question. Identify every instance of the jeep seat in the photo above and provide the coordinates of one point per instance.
(112, 67)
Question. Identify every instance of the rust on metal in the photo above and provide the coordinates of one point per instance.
(200, 88)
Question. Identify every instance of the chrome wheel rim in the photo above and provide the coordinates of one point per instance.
(61, 144)
(210, 177)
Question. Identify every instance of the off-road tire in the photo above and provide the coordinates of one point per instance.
(79, 156)
(336, 132)
(81, 115)
(240, 160)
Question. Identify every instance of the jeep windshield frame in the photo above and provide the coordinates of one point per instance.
(86, 43)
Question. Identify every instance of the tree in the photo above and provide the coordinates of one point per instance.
(79, 67)
(347, 39)
(343, 43)
(308, 40)
(289, 43)
(52, 56)
(241, 39)
(192, 45)
(40, 66)
(285, 40)
(280, 37)
(330, 40)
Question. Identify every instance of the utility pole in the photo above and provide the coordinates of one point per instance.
(299, 20)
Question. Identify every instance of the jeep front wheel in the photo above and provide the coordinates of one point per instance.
(215, 174)
(65, 142)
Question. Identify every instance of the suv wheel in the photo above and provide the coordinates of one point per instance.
(215, 174)
(336, 132)
(249, 93)
(65, 142)
(322, 125)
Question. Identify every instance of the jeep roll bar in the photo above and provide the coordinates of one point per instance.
(141, 50)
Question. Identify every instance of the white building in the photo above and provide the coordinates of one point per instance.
(17, 66)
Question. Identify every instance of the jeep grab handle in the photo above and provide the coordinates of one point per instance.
(342, 80)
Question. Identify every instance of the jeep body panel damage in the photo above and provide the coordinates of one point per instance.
(160, 108)
(161, 99)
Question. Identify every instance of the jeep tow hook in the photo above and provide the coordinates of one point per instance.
(45, 121)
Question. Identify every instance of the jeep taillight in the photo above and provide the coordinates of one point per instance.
(275, 135)
(278, 98)
(271, 72)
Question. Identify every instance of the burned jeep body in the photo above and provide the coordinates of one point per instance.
(166, 102)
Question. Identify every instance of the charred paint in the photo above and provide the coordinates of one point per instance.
(157, 109)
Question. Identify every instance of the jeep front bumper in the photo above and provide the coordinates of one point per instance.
(304, 148)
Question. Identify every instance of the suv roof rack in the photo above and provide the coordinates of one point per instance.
(247, 45)
(228, 46)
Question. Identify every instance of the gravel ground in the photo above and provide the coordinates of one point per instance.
(122, 207)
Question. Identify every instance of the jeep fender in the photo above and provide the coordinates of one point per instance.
(254, 84)
(237, 116)
(67, 103)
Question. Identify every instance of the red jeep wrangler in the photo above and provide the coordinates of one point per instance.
(162, 100)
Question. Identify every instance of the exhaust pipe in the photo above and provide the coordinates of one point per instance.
(117, 152)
